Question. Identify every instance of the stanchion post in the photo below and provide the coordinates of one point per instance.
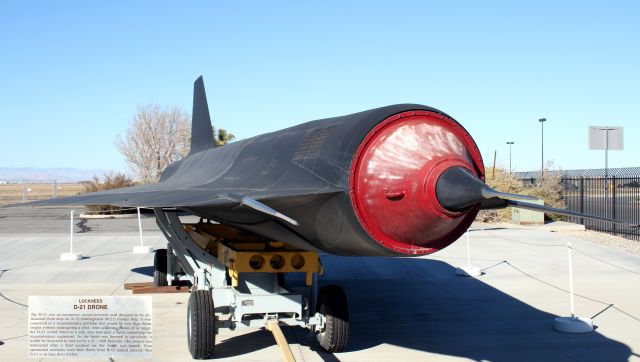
(71, 232)
(572, 324)
(70, 255)
(468, 271)
(573, 311)
(141, 249)
(140, 226)
(468, 250)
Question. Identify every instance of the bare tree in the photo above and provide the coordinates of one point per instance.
(156, 137)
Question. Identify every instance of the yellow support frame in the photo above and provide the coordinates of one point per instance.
(247, 253)
(260, 261)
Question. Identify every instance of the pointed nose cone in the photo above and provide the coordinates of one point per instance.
(458, 188)
(394, 177)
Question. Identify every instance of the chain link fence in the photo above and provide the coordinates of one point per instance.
(13, 192)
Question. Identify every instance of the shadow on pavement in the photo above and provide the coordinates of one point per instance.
(261, 339)
(420, 304)
(242, 344)
(144, 270)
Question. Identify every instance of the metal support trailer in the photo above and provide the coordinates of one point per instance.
(243, 282)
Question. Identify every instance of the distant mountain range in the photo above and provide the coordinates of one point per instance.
(11, 174)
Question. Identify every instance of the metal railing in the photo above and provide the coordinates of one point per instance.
(616, 198)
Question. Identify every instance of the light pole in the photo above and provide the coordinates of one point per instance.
(606, 151)
(606, 169)
(510, 143)
(542, 120)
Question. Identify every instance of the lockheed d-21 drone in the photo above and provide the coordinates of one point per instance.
(400, 180)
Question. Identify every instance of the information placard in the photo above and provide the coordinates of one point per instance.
(111, 326)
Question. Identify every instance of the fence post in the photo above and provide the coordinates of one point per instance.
(582, 199)
(613, 206)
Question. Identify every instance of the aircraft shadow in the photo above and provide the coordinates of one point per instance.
(261, 339)
(144, 270)
(420, 304)
(242, 344)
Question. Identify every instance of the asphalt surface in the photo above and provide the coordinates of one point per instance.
(412, 309)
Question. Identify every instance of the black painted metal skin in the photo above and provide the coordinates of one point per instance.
(302, 172)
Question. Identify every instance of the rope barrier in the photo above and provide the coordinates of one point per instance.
(522, 242)
(573, 247)
(609, 305)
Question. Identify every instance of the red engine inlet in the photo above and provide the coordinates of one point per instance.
(394, 175)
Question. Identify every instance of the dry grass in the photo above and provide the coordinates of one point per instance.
(13, 193)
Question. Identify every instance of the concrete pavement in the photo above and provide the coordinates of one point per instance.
(401, 308)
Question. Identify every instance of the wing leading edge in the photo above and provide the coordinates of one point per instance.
(153, 196)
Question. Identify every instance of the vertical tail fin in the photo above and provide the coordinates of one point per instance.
(201, 130)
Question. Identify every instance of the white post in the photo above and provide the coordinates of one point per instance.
(572, 324)
(71, 233)
(70, 255)
(468, 251)
(140, 227)
(573, 314)
(468, 271)
(141, 249)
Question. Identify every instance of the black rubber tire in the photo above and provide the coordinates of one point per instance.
(160, 268)
(201, 324)
(332, 303)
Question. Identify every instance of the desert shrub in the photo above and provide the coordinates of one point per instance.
(548, 187)
(502, 181)
(108, 181)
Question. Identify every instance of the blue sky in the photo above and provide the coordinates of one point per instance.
(73, 73)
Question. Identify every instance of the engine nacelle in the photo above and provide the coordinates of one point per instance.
(394, 175)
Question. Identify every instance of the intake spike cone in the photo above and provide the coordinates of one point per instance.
(458, 189)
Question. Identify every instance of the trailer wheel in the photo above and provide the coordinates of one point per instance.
(160, 268)
(201, 324)
(332, 303)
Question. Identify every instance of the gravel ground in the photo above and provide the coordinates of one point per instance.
(632, 246)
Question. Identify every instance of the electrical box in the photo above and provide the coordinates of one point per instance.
(528, 217)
